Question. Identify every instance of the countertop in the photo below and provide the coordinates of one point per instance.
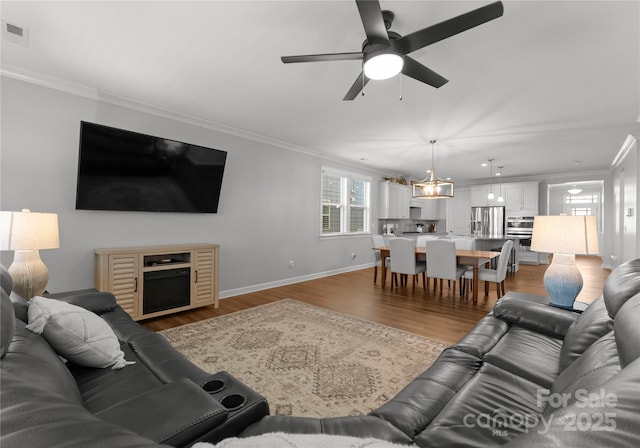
(475, 237)
(498, 237)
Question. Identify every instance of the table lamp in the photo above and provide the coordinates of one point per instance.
(26, 233)
(565, 236)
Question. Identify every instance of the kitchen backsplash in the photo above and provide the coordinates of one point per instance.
(411, 226)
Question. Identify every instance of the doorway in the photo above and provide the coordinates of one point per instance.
(584, 198)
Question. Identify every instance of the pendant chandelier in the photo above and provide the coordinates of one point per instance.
(433, 187)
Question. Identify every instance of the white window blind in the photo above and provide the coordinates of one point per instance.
(345, 202)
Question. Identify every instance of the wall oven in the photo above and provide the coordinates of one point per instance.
(521, 226)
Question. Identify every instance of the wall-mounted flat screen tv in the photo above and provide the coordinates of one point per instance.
(128, 171)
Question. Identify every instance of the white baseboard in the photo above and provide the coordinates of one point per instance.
(290, 281)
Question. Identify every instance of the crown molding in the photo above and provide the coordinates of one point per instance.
(624, 150)
(545, 178)
(95, 94)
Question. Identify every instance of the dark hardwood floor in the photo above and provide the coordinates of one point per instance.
(438, 317)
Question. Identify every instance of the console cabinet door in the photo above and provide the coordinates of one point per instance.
(124, 282)
(203, 276)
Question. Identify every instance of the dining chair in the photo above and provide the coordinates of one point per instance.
(378, 241)
(403, 261)
(464, 243)
(442, 263)
(420, 242)
(497, 275)
(422, 239)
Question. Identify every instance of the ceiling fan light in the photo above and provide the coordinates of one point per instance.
(383, 66)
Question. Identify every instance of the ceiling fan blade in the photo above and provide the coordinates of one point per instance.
(435, 33)
(322, 57)
(417, 71)
(356, 88)
(374, 26)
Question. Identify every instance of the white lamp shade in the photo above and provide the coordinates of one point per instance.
(28, 231)
(564, 234)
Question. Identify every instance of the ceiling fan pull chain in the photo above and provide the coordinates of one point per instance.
(363, 83)
(400, 81)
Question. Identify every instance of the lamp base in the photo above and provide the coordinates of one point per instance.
(563, 280)
(29, 274)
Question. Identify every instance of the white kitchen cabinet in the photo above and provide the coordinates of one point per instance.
(459, 212)
(434, 208)
(522, 197)
(429, 209)
(480, 195)
(530, 197)
(519, 197)
(529, 257)
(394, 200)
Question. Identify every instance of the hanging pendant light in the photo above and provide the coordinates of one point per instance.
(500, 197)
(491, 196)
(432, 187)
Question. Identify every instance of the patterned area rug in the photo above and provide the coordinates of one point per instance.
(308, 361)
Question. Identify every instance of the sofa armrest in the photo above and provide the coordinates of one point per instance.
(534, 314)
(365, 426)
(176, 414)
(98, 302)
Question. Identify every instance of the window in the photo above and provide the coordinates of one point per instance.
(345, 202)
(582, 205)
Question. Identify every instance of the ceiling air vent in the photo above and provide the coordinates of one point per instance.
(15, 33)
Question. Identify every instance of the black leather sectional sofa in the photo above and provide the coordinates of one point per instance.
(161, 399)
(527, 375)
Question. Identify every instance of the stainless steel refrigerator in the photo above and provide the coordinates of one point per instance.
(487, 221)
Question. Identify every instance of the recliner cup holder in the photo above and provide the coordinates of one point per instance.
(233, 402)
(214, 386)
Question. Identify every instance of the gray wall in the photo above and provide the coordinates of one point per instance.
(269, 208)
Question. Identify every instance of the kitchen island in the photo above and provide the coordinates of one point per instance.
(482, 242)
(494, 243)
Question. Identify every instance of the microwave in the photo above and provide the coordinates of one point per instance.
(520, 226)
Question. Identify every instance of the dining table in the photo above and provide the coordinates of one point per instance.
(474, 258)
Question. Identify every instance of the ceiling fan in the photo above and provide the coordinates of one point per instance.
(384, 53)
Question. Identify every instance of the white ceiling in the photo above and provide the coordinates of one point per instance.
(547, 84)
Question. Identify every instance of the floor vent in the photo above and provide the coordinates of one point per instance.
(15, 33)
